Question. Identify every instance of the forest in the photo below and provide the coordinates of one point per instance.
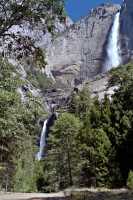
(90, 145)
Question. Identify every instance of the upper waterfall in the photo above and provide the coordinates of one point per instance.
(113, 46)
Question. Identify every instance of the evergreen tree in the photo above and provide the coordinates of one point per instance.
(73, 104)
(121, 135)
(63, 156)
(97, 126)
(84, 103)
(130, 180)
(95, 113)
(105, 118)
(96, 152)
(79, 103)
(24, 177)
(18, 127)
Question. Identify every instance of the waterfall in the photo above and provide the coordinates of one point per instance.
(113, 47)
(42, 140)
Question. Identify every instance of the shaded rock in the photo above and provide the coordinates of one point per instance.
(127, 31)
(50, 123)
(56, 98)
(38, 33)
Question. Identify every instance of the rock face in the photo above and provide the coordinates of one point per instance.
(56, 99)
(127, 31)
(80, 51)
(27, 36)
(40, 35)
(98, 86)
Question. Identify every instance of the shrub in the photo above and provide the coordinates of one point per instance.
(40, 80)
(130, 180)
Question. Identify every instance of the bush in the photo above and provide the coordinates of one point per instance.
(40, 80)
(130, 180)
(35, 83)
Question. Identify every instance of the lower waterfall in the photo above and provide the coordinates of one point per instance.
(113, 46)
(42, 141)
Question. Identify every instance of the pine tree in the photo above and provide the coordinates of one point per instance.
(80, 103)
(73, 104)
(94, 136)
(96, 151)
(121, 135)
(84, 103)
(18, 129)
(95, 113)
(62, 154)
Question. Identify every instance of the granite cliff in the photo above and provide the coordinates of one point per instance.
(126, 31)
(80, 51)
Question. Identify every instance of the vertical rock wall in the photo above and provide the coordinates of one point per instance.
(127, 30)
(81, 50)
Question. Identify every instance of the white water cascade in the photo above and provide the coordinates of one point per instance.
(113, 47)
(42, 141)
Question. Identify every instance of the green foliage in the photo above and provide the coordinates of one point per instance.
(73, 105)
(130, 180)
(24, 179)
(97, 152)
(122, 118)
(39, 57)
(33, 12)
(121, 75)
(62, 153)
(95, 113)
(79, 104)
(84, 103)
(41, 81)
(13, 13)
(37, 60)
(18, 130)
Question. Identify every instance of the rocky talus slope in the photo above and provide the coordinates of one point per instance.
(98, 85)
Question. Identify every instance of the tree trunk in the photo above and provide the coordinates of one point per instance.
(69, 164)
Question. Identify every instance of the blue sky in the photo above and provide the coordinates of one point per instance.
(80, 8)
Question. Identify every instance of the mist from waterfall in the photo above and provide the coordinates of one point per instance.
(42, 141)
(113, 47)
